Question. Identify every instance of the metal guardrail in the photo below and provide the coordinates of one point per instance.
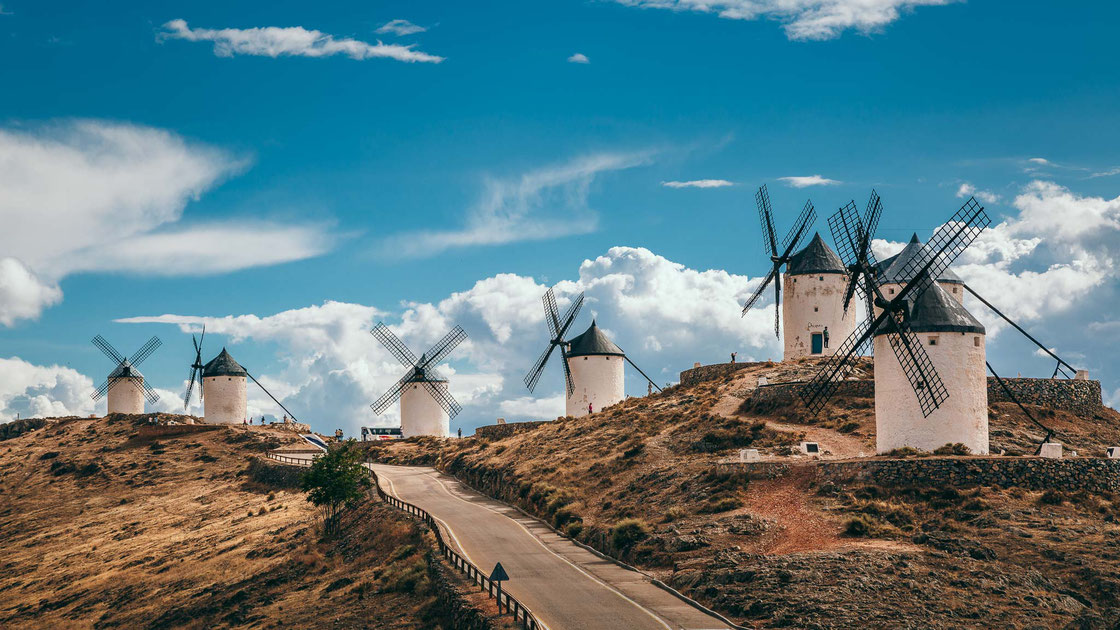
(493, 589)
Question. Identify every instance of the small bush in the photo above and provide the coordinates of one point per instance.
(848, 427)
(675, 513)
(262, 511)
(633, 451)
(1051, 497)
(953, 449)
(725, 504)
(627, 532)
(48, 455)
(859, 527)
(906, 451)
(565, 515)
(574, 529)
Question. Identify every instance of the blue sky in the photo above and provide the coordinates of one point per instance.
(311, 177)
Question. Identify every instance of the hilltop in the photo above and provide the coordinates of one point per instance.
(105, 528)
(650, 481)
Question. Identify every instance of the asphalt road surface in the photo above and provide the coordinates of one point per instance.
(566, 586)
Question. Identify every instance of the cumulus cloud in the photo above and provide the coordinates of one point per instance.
(664, 314)
(292, 41)
(809, 180)
(545, 203)
(400, 27)
(579, 58)
(801, 19)
(968, 190)
(110, 196)
(699, 183)
(29, 390)
(22, 294)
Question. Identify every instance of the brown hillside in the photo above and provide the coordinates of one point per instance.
(102, 529)
(642, 481)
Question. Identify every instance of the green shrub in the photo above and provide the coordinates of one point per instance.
(848, 427)
(725, 504)
(565, 515)
(859, 526)
(906, 451)
(953, 449)
(627, 532)
(574, 529)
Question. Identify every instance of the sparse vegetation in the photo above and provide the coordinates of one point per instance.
(628, 532)
(334, 481)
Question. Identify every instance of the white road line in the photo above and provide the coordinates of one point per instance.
(647, 611)
(393, 491)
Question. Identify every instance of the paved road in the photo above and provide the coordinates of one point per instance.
(565, 586)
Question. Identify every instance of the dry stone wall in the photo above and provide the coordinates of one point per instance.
(712, 372)
(499, 431)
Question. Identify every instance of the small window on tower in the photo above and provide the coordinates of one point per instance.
(822, 278)
(955, 289)
(584, 358)
(892, 291)
(933, 341)
(976, 341)
(815, 309)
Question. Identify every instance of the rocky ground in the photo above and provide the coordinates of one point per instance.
(643, 481)
(104, 529)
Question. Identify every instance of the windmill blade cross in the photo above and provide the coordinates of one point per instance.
(443, 347)
(394, 345)
(800, 228)
(534, 374)
(947, 244)
(108, 349)
(551, 313)
(777, 311)
(766, 216)
(444, 398)
(916, 364)
(99, 393)
(392, 395)
(758, 292)
(570, 315)
(145, 351)
(190, 389)
(817, 392)
(567, 372)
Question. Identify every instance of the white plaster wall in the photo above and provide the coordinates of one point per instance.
(126, 395)
(223, 398)
(421, 414)
(955, 290)
(599, 380)
(963, 417)
(803, 293)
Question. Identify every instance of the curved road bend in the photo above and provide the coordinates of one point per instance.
(566, 586)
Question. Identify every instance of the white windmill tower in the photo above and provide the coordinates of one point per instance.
(594, 367)
(928, 332)
(426, 405)
(224, 387)
(125, 385)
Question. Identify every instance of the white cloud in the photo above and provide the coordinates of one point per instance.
(86, 195)
(968, 190)
(22, 294)
(579, 58)
(400, 27)
(1107, 173)
(541, 204)
(699, 183)
(276, 41)
(1039, 161)
(809, 180)
(663, 313)
(801, 19)
(42, 391)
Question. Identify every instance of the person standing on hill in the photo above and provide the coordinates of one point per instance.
(589, 409)
(733, 357)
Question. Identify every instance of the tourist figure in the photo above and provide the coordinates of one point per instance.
(826, 336)
(732, 357)
(589, 409)
(460, 433)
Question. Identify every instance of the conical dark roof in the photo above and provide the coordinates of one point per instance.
(223, 365)
(817, 257)
(937, 311)
(892, 270)
(592, 342)
(126, 370)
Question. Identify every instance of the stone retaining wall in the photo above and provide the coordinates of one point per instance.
(273, 473)
(169, 430)
(711, 372)
(1080, 397)
(499, 431)
(1033, 473)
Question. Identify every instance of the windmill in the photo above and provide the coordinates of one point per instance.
(196, 372)
(421, 414)
(920, 306)
(770, 248)
(222, 386)
(125, 385)
(594, 371)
